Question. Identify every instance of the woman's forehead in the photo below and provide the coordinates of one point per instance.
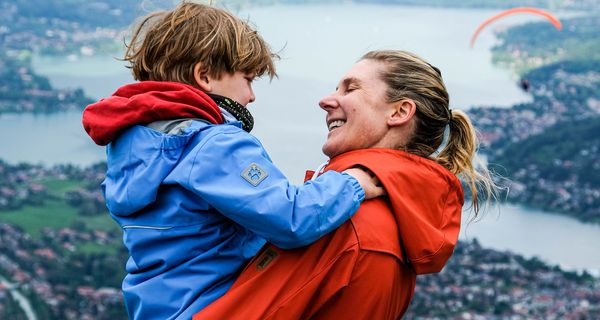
(363, 72)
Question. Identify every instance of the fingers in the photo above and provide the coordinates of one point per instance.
(368, 181)
(371, 188)
(377, 188)
(374, 192)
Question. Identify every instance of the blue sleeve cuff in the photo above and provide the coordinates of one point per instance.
(359, 192)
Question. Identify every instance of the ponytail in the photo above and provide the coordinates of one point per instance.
(410, 77)
(460, 157)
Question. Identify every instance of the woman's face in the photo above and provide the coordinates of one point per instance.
(357, 111)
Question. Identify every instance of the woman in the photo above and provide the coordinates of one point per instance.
(389, 114)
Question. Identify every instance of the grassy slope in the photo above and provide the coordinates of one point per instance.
(56, 214)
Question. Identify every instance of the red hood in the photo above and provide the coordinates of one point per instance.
(145, 102)
(426, 200)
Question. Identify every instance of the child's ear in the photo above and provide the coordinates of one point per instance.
(201, 77)
(403, 111)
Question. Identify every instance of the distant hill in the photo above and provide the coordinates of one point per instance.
(560, 4)
(523, 48)
(23, 90)
(549, 148)
(499, 4)
(558, 170)
(104, 13)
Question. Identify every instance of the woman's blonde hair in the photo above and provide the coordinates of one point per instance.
(410, 77)
(166, 45)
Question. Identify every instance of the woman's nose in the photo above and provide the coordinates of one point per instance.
(329, 102)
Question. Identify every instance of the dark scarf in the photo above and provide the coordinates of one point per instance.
(240, 112)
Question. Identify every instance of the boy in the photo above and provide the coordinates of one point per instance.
(195, 193)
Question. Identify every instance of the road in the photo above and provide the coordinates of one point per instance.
(20, 298)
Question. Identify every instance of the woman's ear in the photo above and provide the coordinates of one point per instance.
(404, 110)
(202, 78)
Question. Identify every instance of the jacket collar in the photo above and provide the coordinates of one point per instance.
(145, 102)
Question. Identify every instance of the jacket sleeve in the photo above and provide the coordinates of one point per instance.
(233, 173)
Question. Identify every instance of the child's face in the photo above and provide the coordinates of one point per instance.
(236, 86)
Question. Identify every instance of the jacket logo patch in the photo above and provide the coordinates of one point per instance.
(266, 258)
(254, 174)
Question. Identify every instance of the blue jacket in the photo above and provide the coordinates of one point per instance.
(196, 205)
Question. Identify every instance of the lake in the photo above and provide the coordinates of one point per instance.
(317, 44)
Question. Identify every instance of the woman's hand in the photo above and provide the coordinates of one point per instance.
(368, 181)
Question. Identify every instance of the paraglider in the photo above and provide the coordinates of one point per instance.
(525, 85)
(505, 13)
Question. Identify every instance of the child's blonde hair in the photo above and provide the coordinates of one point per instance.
(167, 45)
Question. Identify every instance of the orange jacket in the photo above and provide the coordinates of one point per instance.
(366, 269)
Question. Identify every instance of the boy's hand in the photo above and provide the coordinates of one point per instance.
(368, 181)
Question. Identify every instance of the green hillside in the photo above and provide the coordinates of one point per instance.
(548, 147)
(521, 51)
(556, 170)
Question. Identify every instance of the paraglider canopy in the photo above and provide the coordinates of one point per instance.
(512, 11)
